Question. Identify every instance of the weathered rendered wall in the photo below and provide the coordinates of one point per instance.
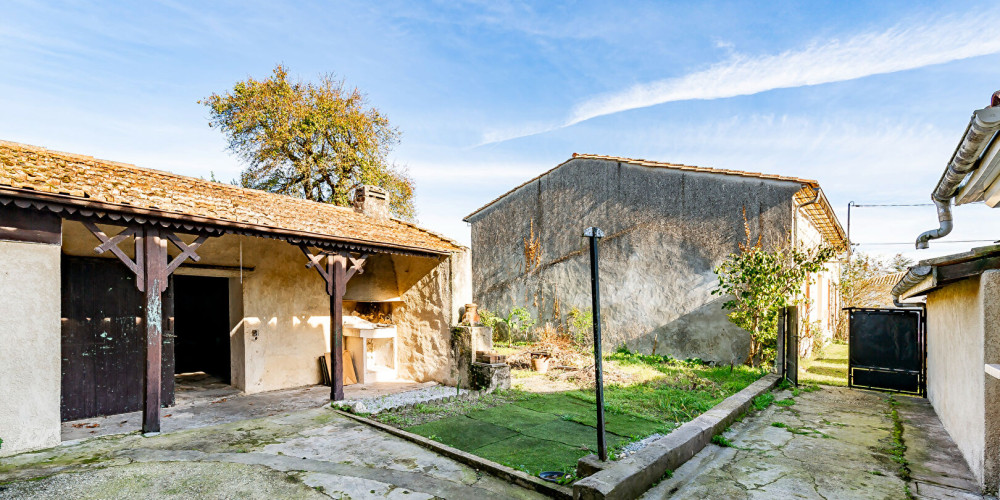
(29, 346)
(666, 232)
(989, 294)
(424, 319)
(955, 375)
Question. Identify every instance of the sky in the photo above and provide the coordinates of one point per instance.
(870, 99)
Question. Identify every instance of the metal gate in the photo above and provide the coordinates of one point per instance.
(887, 350)
(787, 359)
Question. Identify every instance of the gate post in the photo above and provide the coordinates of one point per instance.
(792, 344)
(779, 355)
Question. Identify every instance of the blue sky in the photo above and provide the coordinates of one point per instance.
(868, 99)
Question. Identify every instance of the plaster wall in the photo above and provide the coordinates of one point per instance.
(666, 232)
(429, 308)
(30, 334)
(955, 360)
(989, 292)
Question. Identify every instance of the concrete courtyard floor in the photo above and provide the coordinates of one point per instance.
(829, 444)
(313, 453)
(206, 400)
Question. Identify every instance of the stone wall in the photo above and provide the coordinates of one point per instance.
(963, 334)
(424, 319)
(30, 336)
(666, 232)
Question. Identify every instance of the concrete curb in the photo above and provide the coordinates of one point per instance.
(632, 476)
(501, 471)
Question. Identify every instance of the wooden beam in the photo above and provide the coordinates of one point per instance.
(32, 226)
(155, 272)
(955, 272)
(337, 272)
(152, 267)
(112, 242)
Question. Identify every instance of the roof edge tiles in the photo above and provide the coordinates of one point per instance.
(825, 219)
(34, 172)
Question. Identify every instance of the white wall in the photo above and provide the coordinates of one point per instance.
(29, 346)
(955, 359)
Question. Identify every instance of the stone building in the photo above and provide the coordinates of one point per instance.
(114, 277)
(667, 227)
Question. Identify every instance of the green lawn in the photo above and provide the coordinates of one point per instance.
(828, 367)
(537, 432)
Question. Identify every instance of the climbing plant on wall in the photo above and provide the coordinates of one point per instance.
(760, 283)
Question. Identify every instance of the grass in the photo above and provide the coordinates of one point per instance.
(536, 432)
(829, 367)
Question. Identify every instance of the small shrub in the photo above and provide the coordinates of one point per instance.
(581, 325)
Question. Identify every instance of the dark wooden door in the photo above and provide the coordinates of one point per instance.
(103, 338)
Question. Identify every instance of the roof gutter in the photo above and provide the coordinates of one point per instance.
(982, 127)
(914, 276)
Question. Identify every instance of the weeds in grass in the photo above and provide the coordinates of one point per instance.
(898, 450)
(785, 402)
(763, 401)
(721, 440)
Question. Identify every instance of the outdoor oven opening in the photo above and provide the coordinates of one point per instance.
(370, 342)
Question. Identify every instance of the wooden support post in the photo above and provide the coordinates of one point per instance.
(152, 267)
(155, 273)
(339, 269)
(335, 268)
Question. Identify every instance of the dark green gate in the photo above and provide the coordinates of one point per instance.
(887, 350)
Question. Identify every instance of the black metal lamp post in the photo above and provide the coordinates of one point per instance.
(595, 289)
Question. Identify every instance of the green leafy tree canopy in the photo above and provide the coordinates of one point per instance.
(761, 283)
(317, 141)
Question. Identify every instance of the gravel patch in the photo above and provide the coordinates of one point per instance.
(634, 447)
(437, 393)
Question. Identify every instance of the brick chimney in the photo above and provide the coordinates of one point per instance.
(371, 201)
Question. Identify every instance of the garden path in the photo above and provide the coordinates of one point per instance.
(834, 443)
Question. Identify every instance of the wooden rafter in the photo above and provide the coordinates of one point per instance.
(111, 243)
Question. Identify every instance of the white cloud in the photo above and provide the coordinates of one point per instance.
(900, 48)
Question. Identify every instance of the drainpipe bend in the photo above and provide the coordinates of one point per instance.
(913, 276)
(982, 126)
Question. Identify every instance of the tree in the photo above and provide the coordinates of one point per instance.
(860, 288)
(898, 263)
(761, 283)
(517, 322)
(315, 141)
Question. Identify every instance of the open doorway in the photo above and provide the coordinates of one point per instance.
(201, 329)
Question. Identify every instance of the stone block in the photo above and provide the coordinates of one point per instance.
(489, 377)
(465, 341)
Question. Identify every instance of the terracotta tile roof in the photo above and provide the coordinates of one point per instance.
(25, 167)
(821, 214)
